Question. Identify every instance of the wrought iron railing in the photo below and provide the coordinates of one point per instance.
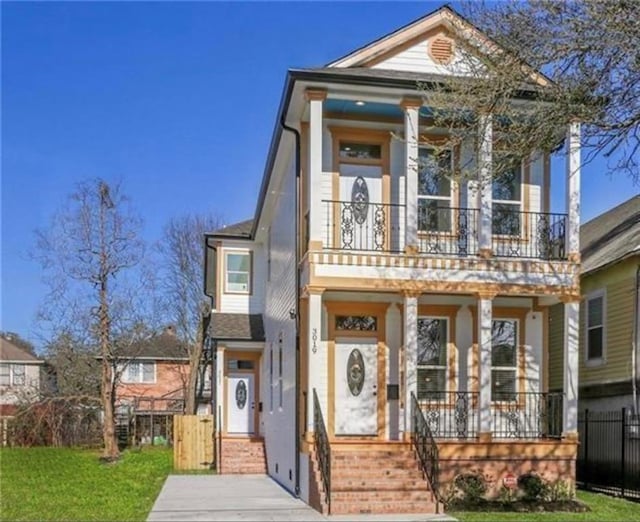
(533, 235)
(372, 227)
(424, 445)
(447, 231)
(527, 415)
(322, 448)
(451, 415)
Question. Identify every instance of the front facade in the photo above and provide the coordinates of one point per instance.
(403, 311)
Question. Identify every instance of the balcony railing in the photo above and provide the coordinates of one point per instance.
(447, 231)
(527, 415)
(533, 235)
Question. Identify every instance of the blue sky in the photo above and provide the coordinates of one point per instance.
(176, 100)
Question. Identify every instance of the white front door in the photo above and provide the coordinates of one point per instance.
(356, 401)
(240, 403)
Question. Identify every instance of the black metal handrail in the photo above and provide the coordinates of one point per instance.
(363, 226)
(533, 235)
(448, 231)
(451, 415)
(322, 448)
(425, 446)
(527, 415)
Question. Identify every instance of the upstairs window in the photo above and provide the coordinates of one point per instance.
(432, 357)
(434, 190)
(504, 359)
(595, 328)
(507, 199)
(139, 372)
(12, 374)
(238, 272)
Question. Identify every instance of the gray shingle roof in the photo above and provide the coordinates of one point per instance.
(243, 327)
(164, 346)
(243, 228)
(611, 236)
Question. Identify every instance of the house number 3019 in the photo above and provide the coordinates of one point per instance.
(314, 338)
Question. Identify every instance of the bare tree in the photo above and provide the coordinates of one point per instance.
(88, 253)
(183, 267)
(588, 54)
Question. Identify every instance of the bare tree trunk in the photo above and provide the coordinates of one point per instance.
(195, 354)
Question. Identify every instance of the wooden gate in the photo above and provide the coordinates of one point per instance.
(193, 442)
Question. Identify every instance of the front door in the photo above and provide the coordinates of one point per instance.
(240, 403)
(356, 401)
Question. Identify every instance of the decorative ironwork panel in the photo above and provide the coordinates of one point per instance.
(355, 372)
(360, 200)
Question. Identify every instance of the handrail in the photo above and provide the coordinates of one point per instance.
(321, 445)
(425, 445)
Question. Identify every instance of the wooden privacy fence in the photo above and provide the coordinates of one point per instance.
(193, 442)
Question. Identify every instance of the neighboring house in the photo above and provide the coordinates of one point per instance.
(150, 389)
(20, 377)
(383, 306)
(610, 313)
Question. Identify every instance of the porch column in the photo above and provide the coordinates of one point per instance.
(316, 98)
(573, 193)
(220, 384)
(571, 353)
(485, 175)
(411, 108)
(316, 356)
(410, 354)
(485, 317)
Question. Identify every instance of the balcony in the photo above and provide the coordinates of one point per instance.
(443, 231)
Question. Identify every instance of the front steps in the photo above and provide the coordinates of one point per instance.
(377, 479)
(243, 456)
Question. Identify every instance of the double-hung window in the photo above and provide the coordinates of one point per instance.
(12, 374)
(595, 334)
(238, 272)
(432, 357)
(139, 372)
(507, 199)
(504, 359)
(434, 190)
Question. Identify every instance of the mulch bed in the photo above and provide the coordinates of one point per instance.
(519, 506)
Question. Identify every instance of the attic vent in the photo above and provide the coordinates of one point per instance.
(441, 49)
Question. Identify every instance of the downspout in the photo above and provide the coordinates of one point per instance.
(213, 344)
(296, 309)
(635, 344)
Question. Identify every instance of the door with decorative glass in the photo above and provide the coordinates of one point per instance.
(240, 404)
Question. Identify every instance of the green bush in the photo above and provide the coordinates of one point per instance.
(532, 486)
(472, 486)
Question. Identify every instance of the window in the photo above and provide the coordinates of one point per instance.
(361, 323)
(238, 272)
(360, 151)
(434, 190)
(280, 370)
(12, 374)
(507, 196)
(139, 372)
(595, 327)
(504, 359)
(432, 357)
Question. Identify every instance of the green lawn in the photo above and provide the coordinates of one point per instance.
(603, 509)
(71, 484)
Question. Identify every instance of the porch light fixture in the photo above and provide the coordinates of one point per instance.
(360, 103)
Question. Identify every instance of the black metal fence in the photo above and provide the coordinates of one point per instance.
(609, 452)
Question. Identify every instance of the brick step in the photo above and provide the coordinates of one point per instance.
(374, 465)
(392, 507)
(359, 484)
(371, 495)
(371, 454)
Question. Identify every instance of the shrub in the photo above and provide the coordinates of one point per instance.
(472, 486)
(532, 486)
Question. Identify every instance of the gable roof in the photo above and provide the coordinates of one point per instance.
(242, 327)
(165, 346)
(13, 353)
(241, 229)
(611, 236)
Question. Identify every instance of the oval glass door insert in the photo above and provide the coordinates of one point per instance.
(355, 372)
(241, 394)
(360, 200)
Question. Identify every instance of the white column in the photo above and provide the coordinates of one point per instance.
(485, 314)
(316, 357)
(573, 192)
(220, 384)
(571, 347)
(410, 355)
(393, 322)
(411, 108)
(316, 98)
(485, 180)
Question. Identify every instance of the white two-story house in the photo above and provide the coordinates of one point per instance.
(379, 327)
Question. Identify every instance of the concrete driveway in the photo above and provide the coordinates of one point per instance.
(244, 497)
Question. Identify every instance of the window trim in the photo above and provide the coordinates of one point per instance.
(124, 375)
(518, 348)
(11, 372)
(602, 360)
(248, 252)
(450, 198)
(447, 369)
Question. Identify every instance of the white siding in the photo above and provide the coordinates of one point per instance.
(26, 392)
(279, 424)
(245, 303)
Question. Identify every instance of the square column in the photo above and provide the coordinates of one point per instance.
(316, 356)
(411, 108)
(570, 374)
(410, 355)
(485, 175)
(485, 319)
(316, 98)
(573, 193)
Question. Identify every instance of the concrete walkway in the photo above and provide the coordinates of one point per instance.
(245, 497)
